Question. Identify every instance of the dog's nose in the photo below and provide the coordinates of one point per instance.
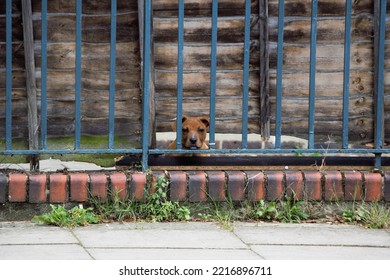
(193, 140)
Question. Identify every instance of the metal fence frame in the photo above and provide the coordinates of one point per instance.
(145, 149)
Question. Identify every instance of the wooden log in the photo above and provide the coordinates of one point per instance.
(201, 8)
(64, 126)
(330, 30)
(330, 108)
(95, 56)
(129, 95)
(226, 109)
(325, 7)
(327, 84)
(198, 57)
(200, 81)
(93, 80)
(32, 110)
(330, 57)
(230, 30)
(89, 6)
(292, 7)
(95, 29)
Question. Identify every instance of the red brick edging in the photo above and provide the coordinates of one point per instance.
(197, 186)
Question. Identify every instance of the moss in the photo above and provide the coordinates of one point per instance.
(66, 142)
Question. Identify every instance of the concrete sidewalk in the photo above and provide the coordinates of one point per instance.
(193, 241)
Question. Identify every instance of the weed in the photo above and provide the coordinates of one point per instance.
(374, 215)
(158, 208)
(155, 207)
(115, 208)
(288, 211)
(377, 216)
(265, 211)
(59, 216)
(291, 210)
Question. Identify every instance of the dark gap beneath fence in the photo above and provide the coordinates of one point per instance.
(243, 162)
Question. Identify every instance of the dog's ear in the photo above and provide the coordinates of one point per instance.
(183, 119)
(205, 121)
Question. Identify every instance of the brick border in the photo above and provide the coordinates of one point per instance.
(197, 186)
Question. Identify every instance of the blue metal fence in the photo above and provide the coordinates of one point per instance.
(145, 150)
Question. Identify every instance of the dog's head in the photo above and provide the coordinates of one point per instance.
(194, 131)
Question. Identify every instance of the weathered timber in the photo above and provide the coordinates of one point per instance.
(330, 30)
(95, 29)
(230, 30)
(201, 8)
(93, 80)
(95, 63)
(89, 6)
(264, 70)
(327, 84)
(32, 110)
(61, 56)
(198, 57)
(325, 7)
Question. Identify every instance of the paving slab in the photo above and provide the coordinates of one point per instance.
(172, 235)
(311, 234)
(43, 252)
(172, 254)
(29, 233)
(288, 252)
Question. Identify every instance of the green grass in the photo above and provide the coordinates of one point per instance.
(59, 216)
(154, 207)
(371, 215)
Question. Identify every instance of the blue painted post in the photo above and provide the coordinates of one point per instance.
(8, 78)
(244, 141)
(213, 72)
(312, 78)
(279, 77)
(44, 76)
(111, 117)
(146, 82)
(379, 90)
(347, 60)
(78, 75)
(180, 64)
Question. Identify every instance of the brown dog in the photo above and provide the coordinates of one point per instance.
(194, 131)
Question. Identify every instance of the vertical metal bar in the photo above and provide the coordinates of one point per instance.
(244, 141)
(279, 77)
(347, 60)
(312, 84)
(8, 77)
(146, 80)
(44, 76)
(213, 72)
(78, 74)
(111, 111)
(264, 71)
(180, 62)
(379, 83)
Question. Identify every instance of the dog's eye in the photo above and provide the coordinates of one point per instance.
(201, 130)
(185, 130)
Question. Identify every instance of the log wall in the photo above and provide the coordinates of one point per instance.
(61, 53)
(197, 37)
(329, 76)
